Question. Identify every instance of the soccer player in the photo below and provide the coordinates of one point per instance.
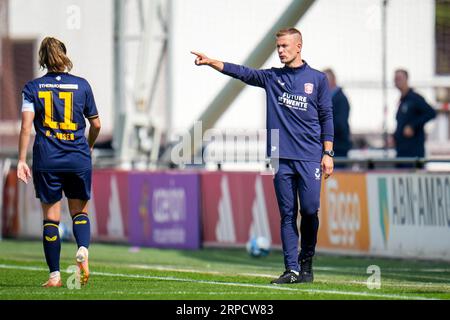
(299, 107)
(58, 103)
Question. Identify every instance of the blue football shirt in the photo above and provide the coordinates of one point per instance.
(61, 102)
(299, 109)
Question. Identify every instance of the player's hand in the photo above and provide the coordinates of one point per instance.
(327, 166)
(408, 131)
(23, 171)
(201, 59)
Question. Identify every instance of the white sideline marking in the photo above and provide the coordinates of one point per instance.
(265, 275)
(210, 293)
(248, 285)
(389, 271)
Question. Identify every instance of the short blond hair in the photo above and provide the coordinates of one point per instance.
(288, 31)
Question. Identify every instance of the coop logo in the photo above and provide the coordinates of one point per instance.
(384, 209)
(169, 205)
(344, 215)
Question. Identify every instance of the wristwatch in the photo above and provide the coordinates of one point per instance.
(329, 153)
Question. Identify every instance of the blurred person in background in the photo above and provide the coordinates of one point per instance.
(412, 114)
(58, 104)
(299, 107)
(341, 111)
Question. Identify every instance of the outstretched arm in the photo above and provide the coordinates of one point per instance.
(253, 77)
(203, 60)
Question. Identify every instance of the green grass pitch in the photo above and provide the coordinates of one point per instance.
(219, 274)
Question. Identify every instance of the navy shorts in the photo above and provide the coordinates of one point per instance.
(50, 185)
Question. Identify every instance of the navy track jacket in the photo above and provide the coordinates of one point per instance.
(298, 106)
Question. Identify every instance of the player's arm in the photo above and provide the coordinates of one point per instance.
(91, 113)
(425, 113)
(325, 110)
(203, 60)
(327, 161)
(23, 171)
(94, 130)
(248, 75)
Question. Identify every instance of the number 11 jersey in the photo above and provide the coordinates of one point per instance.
(61, 103)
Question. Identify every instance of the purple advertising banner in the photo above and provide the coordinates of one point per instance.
(164, 209)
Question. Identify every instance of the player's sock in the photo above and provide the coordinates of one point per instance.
(82, 229)
(52, 244)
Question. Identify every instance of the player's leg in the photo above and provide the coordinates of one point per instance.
(52, 242)
(49, 190)
(77, 188)
(309, 193)
(285, 182)
(81, 225)
(82, 233)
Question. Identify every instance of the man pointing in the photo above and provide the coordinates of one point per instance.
(299, 107)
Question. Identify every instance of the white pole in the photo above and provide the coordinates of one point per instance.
(384, 75)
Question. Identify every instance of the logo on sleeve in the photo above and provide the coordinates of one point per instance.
(309, 88)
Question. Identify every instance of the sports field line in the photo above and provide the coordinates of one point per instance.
(236, 284)
(153, 293)
(353, 268)
(388, 271)
(265, 275)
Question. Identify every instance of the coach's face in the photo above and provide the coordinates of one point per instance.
(288, 48)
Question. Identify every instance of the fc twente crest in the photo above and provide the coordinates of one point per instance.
(309, 87)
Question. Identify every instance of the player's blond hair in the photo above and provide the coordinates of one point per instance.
(287, 31)
(52, 55)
